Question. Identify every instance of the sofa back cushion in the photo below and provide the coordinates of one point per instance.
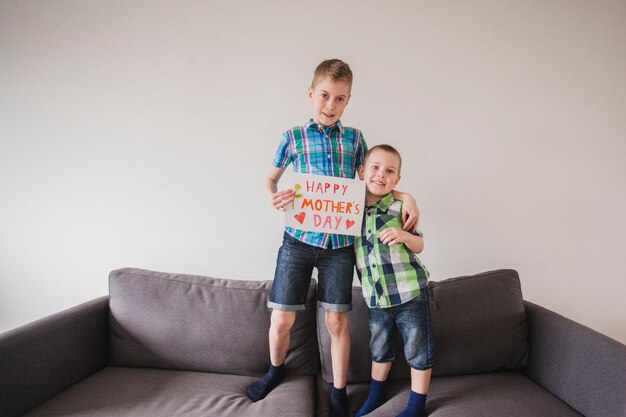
(195, 323)
(479, 325)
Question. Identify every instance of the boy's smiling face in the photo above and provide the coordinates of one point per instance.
(381, 173)
(329, 99)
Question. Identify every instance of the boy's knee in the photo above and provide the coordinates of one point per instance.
(336, 323)
(282, 321)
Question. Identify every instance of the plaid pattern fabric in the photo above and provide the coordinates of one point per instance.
(390, 275)
(335, 151)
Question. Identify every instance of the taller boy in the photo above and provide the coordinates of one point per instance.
(322, 146)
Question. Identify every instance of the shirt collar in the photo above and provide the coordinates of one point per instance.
(312, 124)
(384, 203)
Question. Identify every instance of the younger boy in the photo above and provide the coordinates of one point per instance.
(322, 146)
(395, 283)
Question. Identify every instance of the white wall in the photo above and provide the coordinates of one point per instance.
(137, 133)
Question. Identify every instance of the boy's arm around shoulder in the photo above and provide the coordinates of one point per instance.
(410, 212)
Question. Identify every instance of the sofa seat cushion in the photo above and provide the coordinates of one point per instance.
(142, 392)
(492, 394)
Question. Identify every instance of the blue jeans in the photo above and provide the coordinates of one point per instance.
(292, 277)
(414, 322)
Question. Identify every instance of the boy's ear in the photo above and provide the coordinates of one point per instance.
(310, 93)
(360, 172)
(397, 180)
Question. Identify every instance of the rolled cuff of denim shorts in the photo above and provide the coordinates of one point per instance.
(423, 368)
(378, 360)
(286, 307)
(337, 308)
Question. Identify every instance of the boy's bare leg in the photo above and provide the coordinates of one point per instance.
(280, 335)
(279, 338)
(337, 324)
(376, 398)
(420, 382)
(380, 370)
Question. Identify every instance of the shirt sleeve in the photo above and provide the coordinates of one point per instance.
(284, 154)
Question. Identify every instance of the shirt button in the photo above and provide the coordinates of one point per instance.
(328, 156)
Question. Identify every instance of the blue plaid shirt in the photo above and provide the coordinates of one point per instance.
(335, 151)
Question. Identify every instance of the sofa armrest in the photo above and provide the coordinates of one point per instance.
(40, 359)
(582, 367)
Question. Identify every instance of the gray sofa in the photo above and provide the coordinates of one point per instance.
(181, 345)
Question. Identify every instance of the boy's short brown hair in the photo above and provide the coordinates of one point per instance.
(386, 148)
(336, 69)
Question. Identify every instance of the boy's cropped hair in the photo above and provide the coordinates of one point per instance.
(336, 69)
(386, 148)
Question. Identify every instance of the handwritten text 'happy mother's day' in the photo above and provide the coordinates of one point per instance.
(326, 204)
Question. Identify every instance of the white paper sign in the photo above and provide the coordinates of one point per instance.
(325, 204)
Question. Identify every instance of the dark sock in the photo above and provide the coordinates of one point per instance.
(339, 406)
(268, 382)
(374, 400)
(416, 406)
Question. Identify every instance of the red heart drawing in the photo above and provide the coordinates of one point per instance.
(349, 224)
(300, 217)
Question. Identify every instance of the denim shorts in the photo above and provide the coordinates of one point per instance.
(414, 322)
(294, 266)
